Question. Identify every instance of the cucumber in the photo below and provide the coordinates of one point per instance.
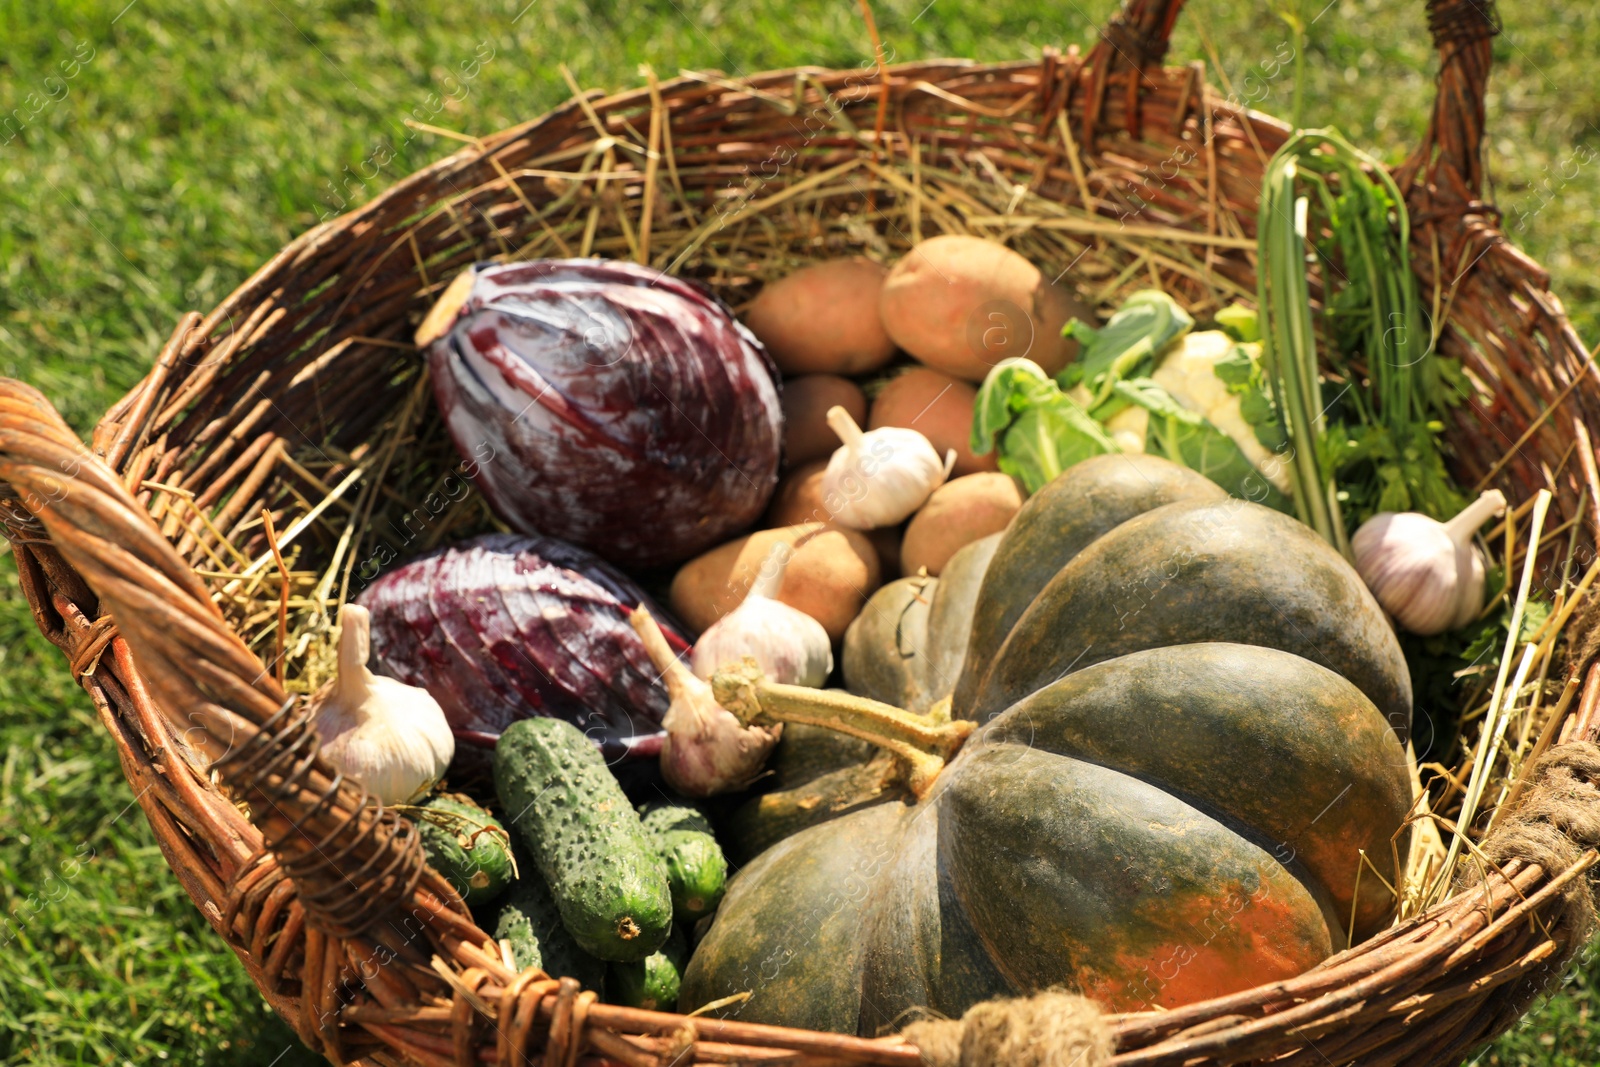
(651, 984)
(465, 844)
(697, 871)
(585, 838)
(528, 919)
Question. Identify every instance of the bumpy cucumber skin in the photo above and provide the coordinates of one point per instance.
(528, 919)
(697, 871)
(480, 873)
(585, 838)
(653, 983)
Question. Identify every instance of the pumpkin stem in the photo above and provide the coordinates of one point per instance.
(923, 742)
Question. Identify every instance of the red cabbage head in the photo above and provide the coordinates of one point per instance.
(607, 404)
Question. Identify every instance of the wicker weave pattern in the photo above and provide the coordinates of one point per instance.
(371, 955)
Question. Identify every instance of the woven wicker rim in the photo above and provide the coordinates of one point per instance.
(318, 892)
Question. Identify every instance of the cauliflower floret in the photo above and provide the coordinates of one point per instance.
(1127, 427)
(1188, 373)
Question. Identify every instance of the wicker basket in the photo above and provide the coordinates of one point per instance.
(326, 900)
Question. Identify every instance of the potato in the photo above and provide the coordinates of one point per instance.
(938, 406)
(824, 319)
(799, 500)
(806, 400)
(958, 513)
(799, 497)
(829, 577)
(962, 304)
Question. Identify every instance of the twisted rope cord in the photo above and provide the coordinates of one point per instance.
(1557, 821)
(1050, 1029)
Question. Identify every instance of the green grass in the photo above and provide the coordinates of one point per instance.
(197, 137)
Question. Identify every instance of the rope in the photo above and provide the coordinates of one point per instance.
(1050, 1029)
(1557, 821)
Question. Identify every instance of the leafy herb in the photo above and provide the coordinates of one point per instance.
(1381, 469)
(1040, 430)
(1388, 455)
(1289, 347)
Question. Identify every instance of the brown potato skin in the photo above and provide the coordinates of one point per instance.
(958, 513)
(938, 406)
(823, 319)
(806, 400)
(798, 498)
(830, 575)
(961, 304)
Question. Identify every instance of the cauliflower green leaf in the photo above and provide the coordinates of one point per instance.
(1039, 430)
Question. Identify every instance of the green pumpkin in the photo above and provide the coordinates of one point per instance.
(1183, 740)
(907, 645)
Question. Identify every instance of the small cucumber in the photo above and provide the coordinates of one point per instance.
(651, 984)
(465, 844)
(585, 838)
(528, 919)
(697, 871)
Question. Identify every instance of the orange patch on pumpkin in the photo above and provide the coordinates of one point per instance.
(1218, 945)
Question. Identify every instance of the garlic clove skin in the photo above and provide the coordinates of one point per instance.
(790, 645)
(879, 477)
(391, 737)
(707, 750)
(1410, 564)
(1427, 574)
(1470, 568)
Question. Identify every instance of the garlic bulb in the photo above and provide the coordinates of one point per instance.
(1426, 573)
(879, 477)
(389, 736)
(706, 750)
(790, 645)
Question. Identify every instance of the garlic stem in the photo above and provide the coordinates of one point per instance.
(1464, 526)
(707, 749)
(925, 745)
(352, 679)
(679, 680)
(769, 576)
(840, 422)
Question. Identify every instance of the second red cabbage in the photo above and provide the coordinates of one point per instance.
(504, 627)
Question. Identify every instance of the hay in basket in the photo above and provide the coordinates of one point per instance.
(190, 565)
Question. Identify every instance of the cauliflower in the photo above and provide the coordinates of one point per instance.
(1127, 427)
(1189, 374)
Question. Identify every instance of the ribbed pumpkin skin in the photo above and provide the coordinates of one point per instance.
(1057, 523)
(1190, 571)
(1169, 822)
(907, 645)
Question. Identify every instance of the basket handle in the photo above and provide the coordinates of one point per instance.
(59, 501)
(1136, 37)
(1463, 32)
